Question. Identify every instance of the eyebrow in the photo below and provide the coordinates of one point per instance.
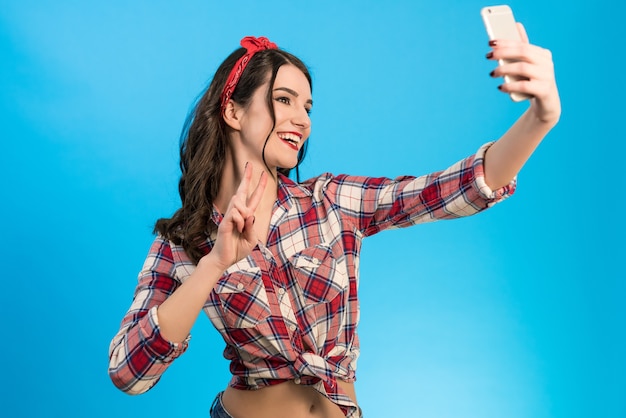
(292, 92)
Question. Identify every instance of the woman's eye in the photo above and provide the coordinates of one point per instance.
(284, 100)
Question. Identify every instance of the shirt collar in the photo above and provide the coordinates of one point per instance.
(216, 216)
(288, 188)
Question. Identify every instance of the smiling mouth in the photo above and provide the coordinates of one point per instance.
(292, 139)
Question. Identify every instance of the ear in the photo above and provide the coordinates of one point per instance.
(232, 114)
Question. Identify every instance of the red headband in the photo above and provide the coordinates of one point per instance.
(252, 45)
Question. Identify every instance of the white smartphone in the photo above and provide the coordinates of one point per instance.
(500, 24)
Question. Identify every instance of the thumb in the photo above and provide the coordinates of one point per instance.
(522, 32)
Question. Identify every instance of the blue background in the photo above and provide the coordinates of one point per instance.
(516, 312)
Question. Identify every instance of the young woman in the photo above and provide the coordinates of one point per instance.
(274, 263)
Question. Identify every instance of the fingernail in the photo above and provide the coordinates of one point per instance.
(500, 87)
(493, 43)
(492, 74)
(489, 55)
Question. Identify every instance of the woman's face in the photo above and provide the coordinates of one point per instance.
(291, 95)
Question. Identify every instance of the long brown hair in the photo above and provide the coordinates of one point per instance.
(203, 146)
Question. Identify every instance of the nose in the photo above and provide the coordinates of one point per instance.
(301, 119)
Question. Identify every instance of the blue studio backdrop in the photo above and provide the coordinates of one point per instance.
(515, 312)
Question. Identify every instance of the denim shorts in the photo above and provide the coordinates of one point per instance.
(218, 410)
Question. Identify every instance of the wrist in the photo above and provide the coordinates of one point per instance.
(547, 116)
(210, 263)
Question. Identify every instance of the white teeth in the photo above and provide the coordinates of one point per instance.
(289, 137)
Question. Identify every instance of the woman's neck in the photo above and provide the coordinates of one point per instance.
(232, 174)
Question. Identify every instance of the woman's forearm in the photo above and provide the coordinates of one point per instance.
(179, 312)
(532, 70)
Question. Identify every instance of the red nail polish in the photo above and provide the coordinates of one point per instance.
(493, 43)
(489, 55)
(492, 74)
(500, 87)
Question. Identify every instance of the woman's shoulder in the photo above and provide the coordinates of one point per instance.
(169, 251)
(169, 258)
(323, 179)
(314, 187)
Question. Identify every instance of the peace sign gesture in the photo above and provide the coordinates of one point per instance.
(236, 236)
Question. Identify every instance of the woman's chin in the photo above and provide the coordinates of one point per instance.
(288, 166)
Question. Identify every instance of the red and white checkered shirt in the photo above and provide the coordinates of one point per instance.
(290, 310)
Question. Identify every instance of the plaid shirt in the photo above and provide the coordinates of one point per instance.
(290, 310)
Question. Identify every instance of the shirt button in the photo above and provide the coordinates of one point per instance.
(297, 380)
(240, 286)
(292, 327)
(281, 291)
(315, 261)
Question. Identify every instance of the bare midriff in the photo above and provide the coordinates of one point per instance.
(285, 400)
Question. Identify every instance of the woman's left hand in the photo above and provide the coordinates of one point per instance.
(535, 65)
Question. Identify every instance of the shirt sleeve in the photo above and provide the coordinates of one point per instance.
(138, 354)
(375, 204)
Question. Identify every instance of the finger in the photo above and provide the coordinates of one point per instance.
(238, 221)
(518, 51)
(522, 33)
(231, 223)
(242, 190)
(249, 233)
(233, 220)
(255, 199)
(537, 89)
(241, 207)
(520, 69)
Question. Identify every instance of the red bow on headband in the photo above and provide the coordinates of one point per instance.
(252, 45)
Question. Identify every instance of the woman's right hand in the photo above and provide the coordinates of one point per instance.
(236, 236)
